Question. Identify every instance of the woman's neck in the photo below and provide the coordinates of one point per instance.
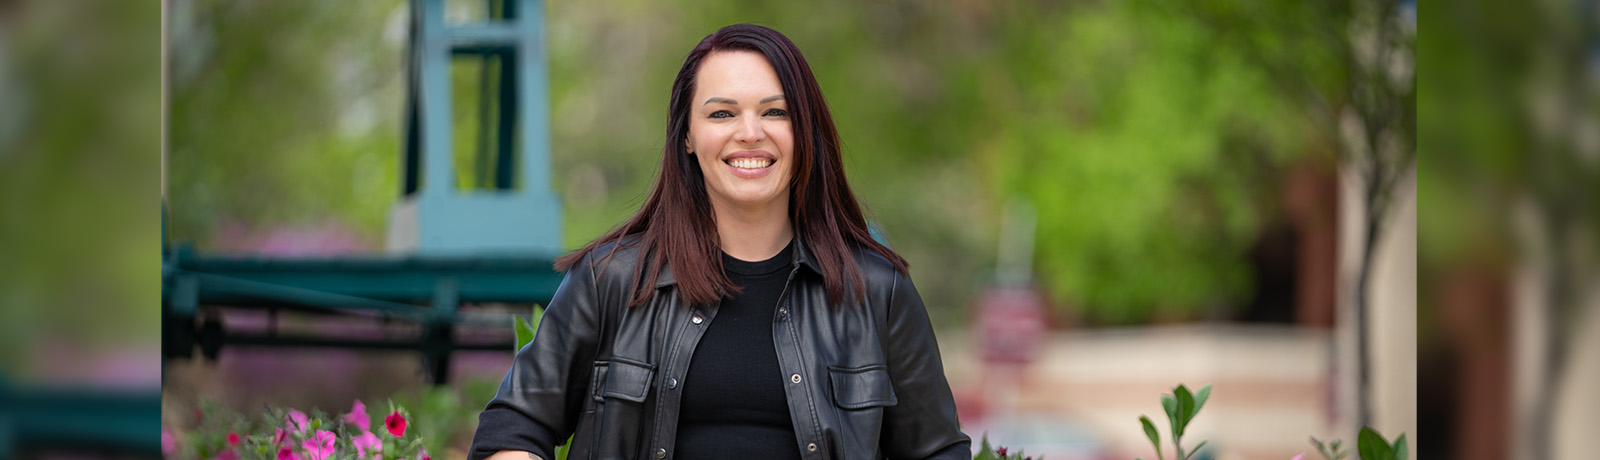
(753, 234)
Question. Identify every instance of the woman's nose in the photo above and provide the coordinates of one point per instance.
(750, 130)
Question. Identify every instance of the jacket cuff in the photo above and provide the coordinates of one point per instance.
(500, 428)
(959, 451)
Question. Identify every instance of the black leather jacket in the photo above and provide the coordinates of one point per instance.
(863, 382)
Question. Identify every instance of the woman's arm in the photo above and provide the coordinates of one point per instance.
(923, 423)
(540, 398)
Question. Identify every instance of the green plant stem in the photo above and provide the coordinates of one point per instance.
(1177, 444)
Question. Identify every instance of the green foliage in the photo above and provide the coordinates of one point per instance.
(1372, 446)
(1331, 451)
(1148, 135)
(80, 141)
(438, 415)
(1150, 432)
(525, 329)
(1181, 408)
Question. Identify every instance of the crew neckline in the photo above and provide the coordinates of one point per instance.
(776, 263)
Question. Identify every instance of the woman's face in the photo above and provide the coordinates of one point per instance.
(740, 132)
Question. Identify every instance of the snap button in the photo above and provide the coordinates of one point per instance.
(783, 311)
(795, 378)
(697, 319)
(811, 447)
(661, 453)
(672, 383)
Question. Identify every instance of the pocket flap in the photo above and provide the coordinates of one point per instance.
(628, 380)
(862, 387)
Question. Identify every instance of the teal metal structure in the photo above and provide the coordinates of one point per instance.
(450, 245)
(511, 207)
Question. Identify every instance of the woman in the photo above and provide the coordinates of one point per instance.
(744, 310)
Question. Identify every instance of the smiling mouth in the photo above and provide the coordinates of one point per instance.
(750, 163)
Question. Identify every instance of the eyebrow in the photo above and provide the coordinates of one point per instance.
(724, 100)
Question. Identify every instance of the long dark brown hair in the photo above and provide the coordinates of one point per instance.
(676, 226)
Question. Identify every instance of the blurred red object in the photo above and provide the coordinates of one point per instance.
(1012, 323)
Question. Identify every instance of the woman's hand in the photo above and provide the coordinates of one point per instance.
(513, 455)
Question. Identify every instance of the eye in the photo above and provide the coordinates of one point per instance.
(777, 113)
(721, 114)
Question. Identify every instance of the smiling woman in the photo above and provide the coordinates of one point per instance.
(745, 310)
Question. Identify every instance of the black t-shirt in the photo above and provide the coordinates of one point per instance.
(733, 402)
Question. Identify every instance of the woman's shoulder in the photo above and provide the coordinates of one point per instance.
(614, 260)
(877, 270)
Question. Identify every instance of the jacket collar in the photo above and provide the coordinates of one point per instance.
(802, 258)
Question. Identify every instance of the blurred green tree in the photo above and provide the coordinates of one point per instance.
(1147, 136)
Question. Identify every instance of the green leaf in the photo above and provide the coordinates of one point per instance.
(1196, 449)
(985, 451)
(1150, 432)
(1371, 446)
(1323, 448)
(1401, 452)
(1171, 406)
(524, 332)
(1200, 400)
(1184, 409)
(561, 451)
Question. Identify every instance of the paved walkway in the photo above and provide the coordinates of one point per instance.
(1083, 397)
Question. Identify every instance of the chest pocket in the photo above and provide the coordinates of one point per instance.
(623, 379)
(615, 427)
(862, 387)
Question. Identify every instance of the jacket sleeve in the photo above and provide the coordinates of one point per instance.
(537, 405)
(923, 423)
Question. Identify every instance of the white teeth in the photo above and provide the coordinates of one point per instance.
(750, 163)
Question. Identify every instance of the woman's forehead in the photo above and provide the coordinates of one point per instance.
(725, 73)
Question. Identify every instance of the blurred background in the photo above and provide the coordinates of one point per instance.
(1099, 200)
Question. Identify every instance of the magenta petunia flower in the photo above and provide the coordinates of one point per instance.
(278, 436)
(233, 439)
(1299, 457)
(299, 421)
(422, 454)
(395, 423)
(1001, 451)
(287, 454)
(366, 441)
(358, 416)
(319, 446)
(169, 444)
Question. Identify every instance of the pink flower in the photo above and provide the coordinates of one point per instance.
(1299, 457)
(233, 439)
(395, 423)
(169, 445)
(226, 454)
(319, 446)
(287, 454)
(422, 454)
(366, 441)
(358, 416)
(278, 436)
(299, 421)
(1001, 451)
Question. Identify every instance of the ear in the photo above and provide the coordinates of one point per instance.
(688, 144)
